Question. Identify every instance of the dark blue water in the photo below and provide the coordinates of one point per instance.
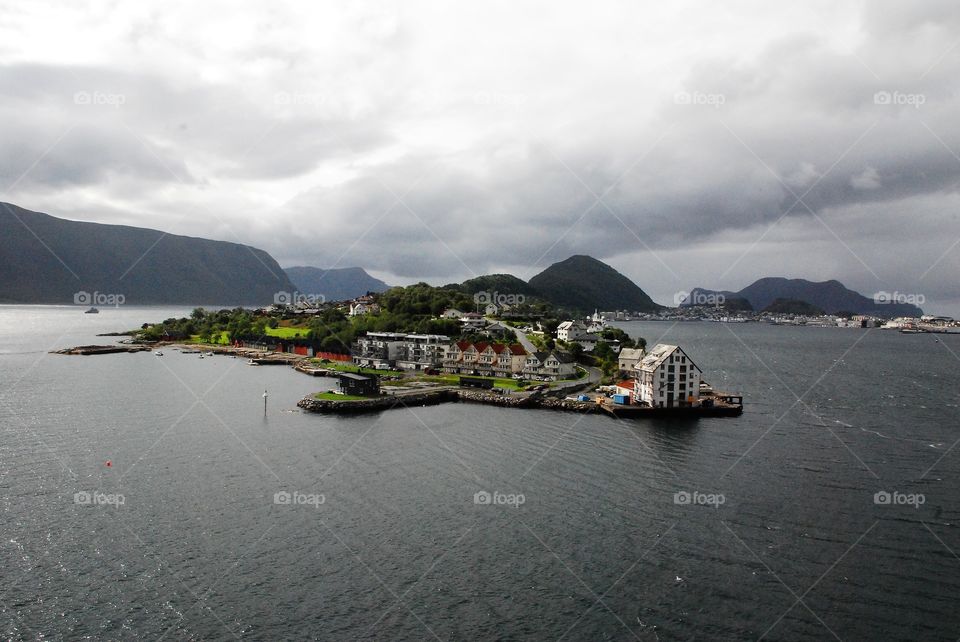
(599, 549)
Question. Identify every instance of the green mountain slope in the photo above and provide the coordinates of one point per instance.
(583, 283)
(44, 259)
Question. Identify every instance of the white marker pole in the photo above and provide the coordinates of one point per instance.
(264, 403)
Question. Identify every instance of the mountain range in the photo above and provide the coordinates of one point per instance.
(44, 259)
(336, 284)
(831, 296)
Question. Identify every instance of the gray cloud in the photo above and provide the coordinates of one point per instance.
(296, 130)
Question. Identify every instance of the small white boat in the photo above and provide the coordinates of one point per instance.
(251, 362)
(201, 356)
(209, 353)
(158, 353)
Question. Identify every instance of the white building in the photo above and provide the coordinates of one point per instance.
(628, 359)
(568, 330)
(667, 378)
(422, 351)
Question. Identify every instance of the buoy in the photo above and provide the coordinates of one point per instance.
(109, 463)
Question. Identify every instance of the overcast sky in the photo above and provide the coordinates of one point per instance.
(685, 143)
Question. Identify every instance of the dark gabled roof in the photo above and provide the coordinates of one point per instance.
(354, 376)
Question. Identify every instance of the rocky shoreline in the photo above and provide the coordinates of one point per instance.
(444, 395)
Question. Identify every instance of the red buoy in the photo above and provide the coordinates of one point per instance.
(109, 463)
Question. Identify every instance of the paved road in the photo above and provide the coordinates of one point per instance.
(524, 341)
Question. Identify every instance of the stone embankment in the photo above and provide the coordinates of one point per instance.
(430, 397)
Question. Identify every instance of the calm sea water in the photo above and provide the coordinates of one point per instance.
(603, 546)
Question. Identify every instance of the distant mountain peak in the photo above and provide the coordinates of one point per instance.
(334, 284)
(831, 296)
(583, 283)
(45, 259)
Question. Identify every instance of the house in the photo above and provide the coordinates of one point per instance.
(498, 330)
(472, 321)
(559, 365)
(550, 365)
(628, 359)
(359, 309)
(588, 341)
(358, 384)
(667, 378)
(509, 360)
(567, 330)
(451, 313)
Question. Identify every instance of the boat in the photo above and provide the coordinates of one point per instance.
(209, 353)
(201, 356)
(92, 311)
(251, 362)
(158, 353)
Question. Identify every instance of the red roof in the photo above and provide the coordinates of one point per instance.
(499, 347)
(626, 383)
(516, 348)
(481, 346)
(463, 345)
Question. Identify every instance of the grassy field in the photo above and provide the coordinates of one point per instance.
(287, 332)
(335, 397)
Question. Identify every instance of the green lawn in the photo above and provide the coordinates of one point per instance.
(287, 333)
(454, 380)
(335, 397)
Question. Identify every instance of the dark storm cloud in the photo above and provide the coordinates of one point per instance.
(297, 130)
